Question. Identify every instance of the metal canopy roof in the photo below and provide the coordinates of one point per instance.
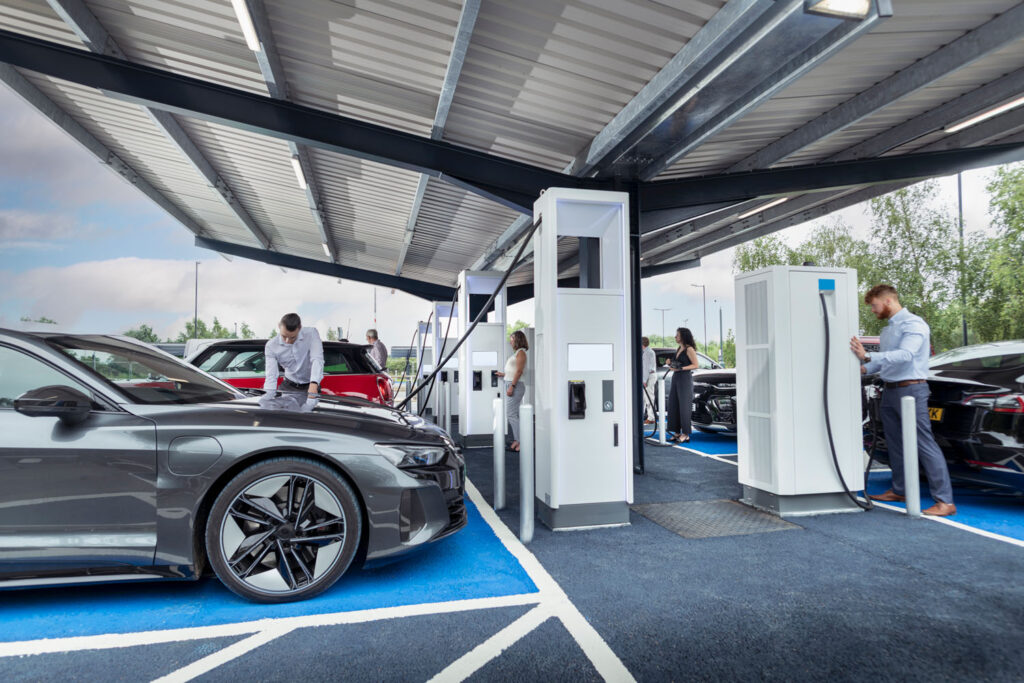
(425, 128)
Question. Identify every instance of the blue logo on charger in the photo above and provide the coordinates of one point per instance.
(826, 285)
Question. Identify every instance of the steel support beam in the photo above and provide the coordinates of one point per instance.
(48, 108)
(430, 291)
(91, 32)
(269, 60)
(987, 38)
(511, 183)
(737, 187)
(463, 34)
(769, 46)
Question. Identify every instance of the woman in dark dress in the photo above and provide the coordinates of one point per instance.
(680, 400)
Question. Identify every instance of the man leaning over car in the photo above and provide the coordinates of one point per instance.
(300, 353)
(903, 366)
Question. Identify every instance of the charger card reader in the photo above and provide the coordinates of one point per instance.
(577, 399)
(494, 378)
(478, 380)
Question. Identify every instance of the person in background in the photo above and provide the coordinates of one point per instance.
(680, 400)
(299, 352)
(378, 351)
(903, 365)
(649, 378)
(515, 388)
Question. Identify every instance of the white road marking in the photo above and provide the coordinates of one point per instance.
(941, 520)
(607, 663)
(221, 657)
(492, 648)
(118, 640)
(712, 456)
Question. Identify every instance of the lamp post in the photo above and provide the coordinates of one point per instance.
(963, 292)
(663, 320)
(195, 310)
(721, 336)
(704, 299)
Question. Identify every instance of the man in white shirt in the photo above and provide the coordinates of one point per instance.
(650, 377)
(378, 351)
(300, 353)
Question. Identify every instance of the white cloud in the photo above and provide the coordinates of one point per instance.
(20, 225)
(124, 292)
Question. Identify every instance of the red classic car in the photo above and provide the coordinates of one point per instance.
(348, 368)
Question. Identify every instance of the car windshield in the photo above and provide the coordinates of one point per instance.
(144, 374)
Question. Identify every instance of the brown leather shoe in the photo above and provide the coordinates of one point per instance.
(889, 496)
(941, 509)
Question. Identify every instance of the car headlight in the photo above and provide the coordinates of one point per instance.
(410, 455)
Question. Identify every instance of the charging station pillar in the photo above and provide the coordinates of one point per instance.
(481, 356)
(584, 361)
(785, 461)
(443, 310)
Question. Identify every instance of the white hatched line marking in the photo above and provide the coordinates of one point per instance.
(719, 458)
(492, 648)
(119, 640)
(233, 651)
(940, 520)
(604, 659)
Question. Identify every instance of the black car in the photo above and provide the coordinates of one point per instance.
(119, 462)
(714, 392)
(977, 412)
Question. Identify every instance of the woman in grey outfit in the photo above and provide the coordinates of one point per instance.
(680, 400)
(515, 389)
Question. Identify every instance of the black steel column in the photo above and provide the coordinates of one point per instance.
(636, 327)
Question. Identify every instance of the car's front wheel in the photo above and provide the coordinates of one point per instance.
(284, 529)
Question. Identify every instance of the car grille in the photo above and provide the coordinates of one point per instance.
(452, 481)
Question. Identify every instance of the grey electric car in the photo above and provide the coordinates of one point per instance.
(120, 462)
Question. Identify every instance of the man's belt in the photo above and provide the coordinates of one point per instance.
(294, 385)
(904, 383)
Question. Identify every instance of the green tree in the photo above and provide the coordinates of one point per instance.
(998, 288)
(41, 319)
(517, 325)
(143, 333)
(247, 332)
(332, 334)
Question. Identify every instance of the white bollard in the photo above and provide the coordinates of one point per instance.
(499, 454)
(526, 494)
(911, 481)
(448, 406)
(662, 414)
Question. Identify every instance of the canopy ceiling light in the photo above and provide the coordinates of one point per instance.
(248, 28)
(327, 250)
(847, 9)
(761, 208)
(299, 175)
(995, 111)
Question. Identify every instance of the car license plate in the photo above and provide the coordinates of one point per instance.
(935, 414)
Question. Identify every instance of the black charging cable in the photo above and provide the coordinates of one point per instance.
(440, 353)
(828, 421)
(419, 358)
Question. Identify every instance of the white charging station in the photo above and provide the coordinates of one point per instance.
(481, 356)
(785, 461)
(529, 396)
(584, 387)
(443, 310)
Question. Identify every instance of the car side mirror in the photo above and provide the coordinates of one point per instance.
(56, 400)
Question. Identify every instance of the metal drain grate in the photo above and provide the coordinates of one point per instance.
(712, 518)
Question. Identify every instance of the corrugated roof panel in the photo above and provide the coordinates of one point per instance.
(197, 38)
(378, 62)
(35, 18)
(542, 78)
(129, 132)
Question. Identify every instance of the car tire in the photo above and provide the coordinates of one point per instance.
(292, 508)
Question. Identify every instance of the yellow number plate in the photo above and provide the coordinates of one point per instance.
(935, 414)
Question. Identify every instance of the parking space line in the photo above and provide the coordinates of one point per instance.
(120, 640)
(474, 660)
(233, 651)
(604, 659)
(714, 456)
(956, 525)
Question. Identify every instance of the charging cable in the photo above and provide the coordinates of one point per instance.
(828, 422)
(480, 316)
(440, 354)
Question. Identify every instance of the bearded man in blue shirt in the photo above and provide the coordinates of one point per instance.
(903, 366)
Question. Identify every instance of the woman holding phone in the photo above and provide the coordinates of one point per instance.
(680, 400)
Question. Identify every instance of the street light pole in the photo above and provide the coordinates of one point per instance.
(721, 336)
(963, 292)
(663, 320)
(195, 310)
(704, 298)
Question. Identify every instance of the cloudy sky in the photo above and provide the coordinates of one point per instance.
(81, 246)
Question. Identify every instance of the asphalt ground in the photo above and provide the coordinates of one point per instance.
(841, 597)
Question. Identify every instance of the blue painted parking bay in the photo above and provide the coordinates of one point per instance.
(470, 564)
